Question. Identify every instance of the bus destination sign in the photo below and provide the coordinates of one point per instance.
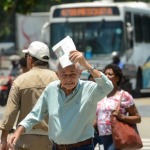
(85, 12)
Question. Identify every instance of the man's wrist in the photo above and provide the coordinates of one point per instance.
(87, 66)
(91, 69)
(20, 130)
(4, 136)
(3, 142)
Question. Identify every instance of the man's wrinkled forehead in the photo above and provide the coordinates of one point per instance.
(71, 68)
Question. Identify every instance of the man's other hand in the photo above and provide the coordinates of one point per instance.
(13, 139)
(3, 145)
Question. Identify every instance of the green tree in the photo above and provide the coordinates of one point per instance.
(8, 8)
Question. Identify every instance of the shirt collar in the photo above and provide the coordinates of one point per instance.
(76, 88)
(39, 67)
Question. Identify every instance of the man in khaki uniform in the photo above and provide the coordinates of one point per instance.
(25, 92)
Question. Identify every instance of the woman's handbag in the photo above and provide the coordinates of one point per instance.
(125, 136)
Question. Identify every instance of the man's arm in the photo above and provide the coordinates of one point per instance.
(12, 108)
(77, 56)
(3, 144)
(34, 117)
(103, 87)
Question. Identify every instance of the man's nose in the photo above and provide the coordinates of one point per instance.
(68, 78)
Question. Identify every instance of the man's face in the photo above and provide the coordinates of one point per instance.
(69, 76)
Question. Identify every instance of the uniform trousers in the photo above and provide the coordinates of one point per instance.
(33, 142)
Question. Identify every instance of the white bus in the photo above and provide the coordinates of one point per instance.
(100, 30)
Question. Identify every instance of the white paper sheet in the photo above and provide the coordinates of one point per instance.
(62, 50)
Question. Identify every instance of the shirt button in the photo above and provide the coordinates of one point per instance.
(63, 116)
(61, 130)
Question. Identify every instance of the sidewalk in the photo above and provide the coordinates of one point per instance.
(143, 106)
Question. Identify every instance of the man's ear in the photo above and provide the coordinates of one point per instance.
(80, 72)
(56, 73)
(31, 60)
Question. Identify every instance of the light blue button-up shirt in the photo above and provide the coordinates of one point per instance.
(70, 118)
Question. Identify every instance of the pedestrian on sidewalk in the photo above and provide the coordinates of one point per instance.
(71, 104)
(109, 103)
(116, 60)
(24, 93)
(14, 68)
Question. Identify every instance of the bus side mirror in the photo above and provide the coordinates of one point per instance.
(43, 31)
(129, 28)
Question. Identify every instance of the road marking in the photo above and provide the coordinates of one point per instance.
(145, 140)
(146, 145)
(145, 148)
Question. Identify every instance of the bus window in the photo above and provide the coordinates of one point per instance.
(102, 38)
(138, 28)
(146, 29)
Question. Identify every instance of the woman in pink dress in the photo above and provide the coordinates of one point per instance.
(109, 103)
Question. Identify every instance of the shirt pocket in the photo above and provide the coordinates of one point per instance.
(49, 146)
(22, 145)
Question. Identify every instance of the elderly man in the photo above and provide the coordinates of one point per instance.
(25, 91)
(71, 104)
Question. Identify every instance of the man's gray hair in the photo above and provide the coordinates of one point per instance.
(38, 62)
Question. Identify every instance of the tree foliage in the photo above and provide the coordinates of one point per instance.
(8, 8)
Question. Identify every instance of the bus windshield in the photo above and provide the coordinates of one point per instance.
(94, 39)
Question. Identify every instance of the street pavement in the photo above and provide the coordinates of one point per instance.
(143, 106)
(4, 72)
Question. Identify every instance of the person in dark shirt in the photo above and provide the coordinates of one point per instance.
(116, 60)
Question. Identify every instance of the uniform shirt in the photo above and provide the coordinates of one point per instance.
(71, 118)
(106, 106)
(24, 93)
